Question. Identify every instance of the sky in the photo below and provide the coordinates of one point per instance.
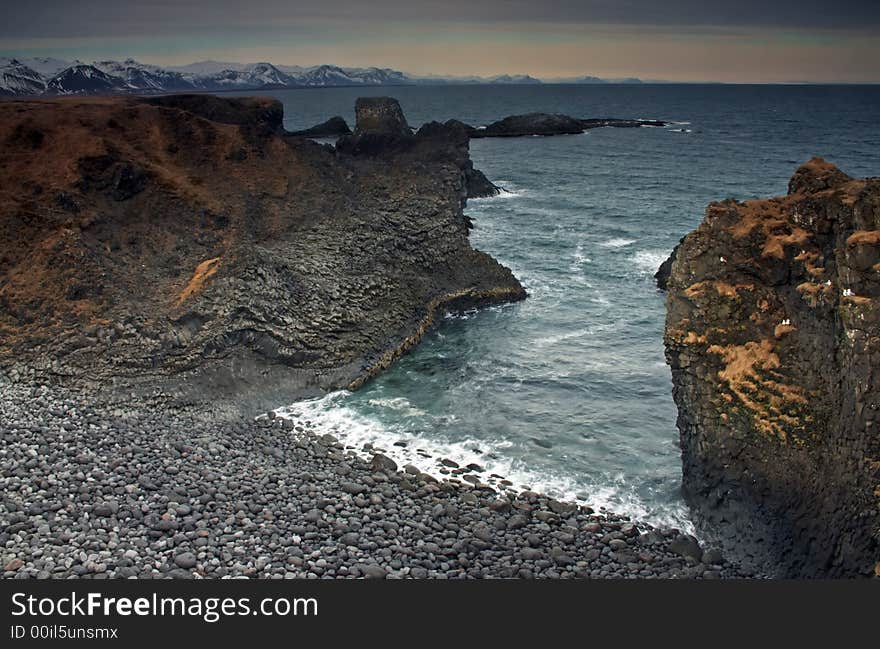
(675, 40)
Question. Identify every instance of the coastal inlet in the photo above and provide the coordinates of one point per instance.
(568, 391)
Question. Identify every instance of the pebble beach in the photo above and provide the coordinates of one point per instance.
(100, 488)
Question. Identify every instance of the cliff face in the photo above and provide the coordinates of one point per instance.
(773, 337)
(190, 240)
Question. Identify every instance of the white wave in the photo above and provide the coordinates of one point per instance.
(617, 243)
(579, 257)
(646, 262)
(507, 192)
(399, 404)
(364, 436)
(559, 338)
(620, 498)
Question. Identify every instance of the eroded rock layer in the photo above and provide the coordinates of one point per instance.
(189, 238)
(773, 316)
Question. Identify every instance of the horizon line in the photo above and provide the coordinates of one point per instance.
(463, 78)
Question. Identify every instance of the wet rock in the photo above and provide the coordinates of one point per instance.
(382, 462)
(686, 546)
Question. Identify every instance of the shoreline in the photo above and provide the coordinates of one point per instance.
(150, 488)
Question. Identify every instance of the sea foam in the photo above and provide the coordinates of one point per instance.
(365, 435)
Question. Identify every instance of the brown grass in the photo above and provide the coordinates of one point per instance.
(724, 289)
(748, 373)
(204, 271)
(864, 238)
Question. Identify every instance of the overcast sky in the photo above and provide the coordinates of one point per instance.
(686, 40)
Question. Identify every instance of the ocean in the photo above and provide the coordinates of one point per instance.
(568, 392)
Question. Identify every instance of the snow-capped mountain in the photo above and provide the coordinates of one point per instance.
(46, 66)
(143, 77)
(55, 76)
(257, 75)
(85, 79)
(206, 68)
(514, 79)
(18, 79)
(331, 75)
(39, 75)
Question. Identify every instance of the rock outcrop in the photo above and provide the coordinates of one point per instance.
(333, 127)
(661, 277)
(382, 132)
(188, 242)
(773, 337)
(380, 115)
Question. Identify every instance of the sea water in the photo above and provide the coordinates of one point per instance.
(568, 391)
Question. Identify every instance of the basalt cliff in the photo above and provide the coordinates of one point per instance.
(189, 242)
(773, 337)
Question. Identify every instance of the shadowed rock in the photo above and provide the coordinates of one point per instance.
(661, 277)
(226, 110)
(333, 127)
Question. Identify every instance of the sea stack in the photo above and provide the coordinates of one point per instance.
(380, 115)
(773, 337)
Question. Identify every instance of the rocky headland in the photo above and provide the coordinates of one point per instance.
(188, 241)
(772, 337)
(170, 268)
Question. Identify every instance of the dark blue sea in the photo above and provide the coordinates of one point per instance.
(568, 391)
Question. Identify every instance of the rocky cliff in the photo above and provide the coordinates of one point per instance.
(189, 241)
(773, 337)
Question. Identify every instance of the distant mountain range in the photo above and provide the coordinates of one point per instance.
(51, 76)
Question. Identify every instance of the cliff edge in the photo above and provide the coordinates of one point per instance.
(773, 337)
(189, 242)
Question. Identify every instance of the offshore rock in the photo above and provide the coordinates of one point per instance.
(185, 242)
(546, 124)
(773, 337)
(380, 115)
(532, 124)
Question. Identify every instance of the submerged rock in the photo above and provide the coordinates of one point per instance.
(773, 337)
